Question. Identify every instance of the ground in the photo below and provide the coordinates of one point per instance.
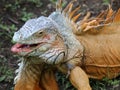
(13, 15)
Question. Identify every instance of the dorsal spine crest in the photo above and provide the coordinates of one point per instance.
(80, 26)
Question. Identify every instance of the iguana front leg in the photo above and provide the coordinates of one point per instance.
(77, 76)
(79, 79)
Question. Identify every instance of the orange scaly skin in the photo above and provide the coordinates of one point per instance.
(27, 85)
(102, 57)
(48, 81)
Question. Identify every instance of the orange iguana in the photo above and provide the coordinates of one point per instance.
(89, 48)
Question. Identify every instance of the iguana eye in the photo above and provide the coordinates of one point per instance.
(40, 33)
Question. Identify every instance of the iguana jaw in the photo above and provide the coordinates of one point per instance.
(27, 48)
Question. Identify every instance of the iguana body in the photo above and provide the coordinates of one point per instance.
(87, 48)
(101, 52)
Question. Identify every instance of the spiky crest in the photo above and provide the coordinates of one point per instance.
(69, 13)
(105, 18)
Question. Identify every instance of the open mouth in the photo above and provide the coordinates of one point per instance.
(17, 48)
(27, 45)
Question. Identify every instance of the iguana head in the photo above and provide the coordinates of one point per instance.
(39, 37)
(50, 38)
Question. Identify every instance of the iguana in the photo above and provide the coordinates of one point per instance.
(87, 48)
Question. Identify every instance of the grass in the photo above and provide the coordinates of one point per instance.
(6, 73)
(8, 30)
(26, 15)
(106, 2)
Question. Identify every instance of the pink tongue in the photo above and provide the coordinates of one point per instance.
(15, 48)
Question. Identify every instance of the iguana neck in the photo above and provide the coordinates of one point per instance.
(65, 29)
(28, 71)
